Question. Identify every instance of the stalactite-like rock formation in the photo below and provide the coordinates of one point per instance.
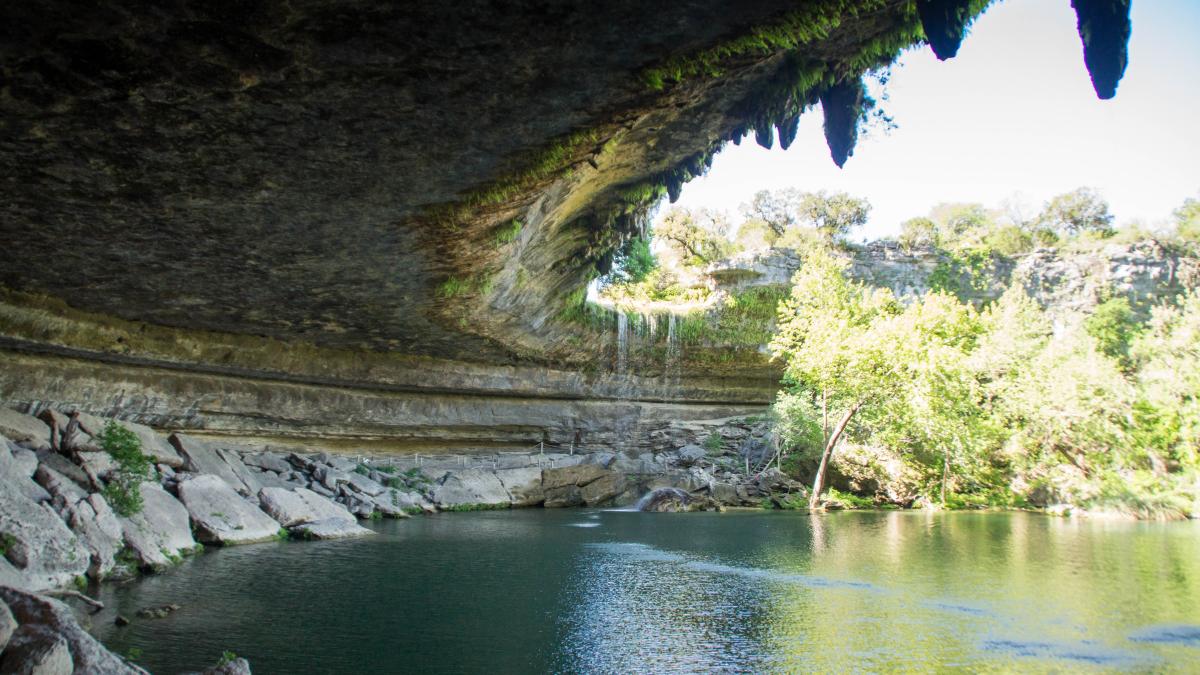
(1105, 28)
(843, 107)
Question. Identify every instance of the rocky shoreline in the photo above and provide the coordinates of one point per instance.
(58, 531)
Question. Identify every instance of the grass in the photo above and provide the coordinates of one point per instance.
(476, 507)
(508, 232)
(849, 501)
(714, 443)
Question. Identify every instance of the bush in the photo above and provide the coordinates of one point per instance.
(714, 443)
(123, 491)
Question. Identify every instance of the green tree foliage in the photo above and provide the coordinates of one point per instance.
(1187, 221)
(123, 491)
(918, 232)
(996, 406)
(634, 262)
(698, 236)
(1076, 212)
(833, 215)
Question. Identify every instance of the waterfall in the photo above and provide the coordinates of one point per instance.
(622, 341)
(655, 500)
(672, 343)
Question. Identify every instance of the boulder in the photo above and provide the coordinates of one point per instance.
(563, 496)
(42, 550)
(65, 467)
(82, 439)
(88, 655)
(330, 529)
(161, 532)
(17, 479)
(268, 461)
(330, 477)
(470, 487)
(24, 430)
(36, 650)
(524, 486)
(24, 462)
(690, 454)
(205, 457)
(89, 517)
(221, 516)
(290, 508)
(603, 490)
(7, 626)
(236, 666)
(364, 484)
(408, 501)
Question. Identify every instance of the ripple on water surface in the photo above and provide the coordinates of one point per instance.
(626, 592)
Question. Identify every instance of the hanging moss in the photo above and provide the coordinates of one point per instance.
(945, 23)
(843, 106)
(1104, 28)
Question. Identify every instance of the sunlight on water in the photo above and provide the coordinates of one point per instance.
(626, 592)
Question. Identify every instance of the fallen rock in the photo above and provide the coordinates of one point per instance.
(158, 611)
(89, 517)
(524, 486)
(7, 625)
(470, 488)
(408, 501)
(65, 467)
(205, 457)
(24, 462)
(42, 550)
(24, 430)
(36, 650)
(563, 496)
(269, 461)
(291, 508)
(223, 517)
(603, 490)
(330, 529)
(690, 454)
(88, 655)
(160, 533)
(18, 480)
(236, 666)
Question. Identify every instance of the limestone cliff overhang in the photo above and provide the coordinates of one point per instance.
(425, 178)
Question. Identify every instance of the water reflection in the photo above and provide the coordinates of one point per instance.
(627, 592)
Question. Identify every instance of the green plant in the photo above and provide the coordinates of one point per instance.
(714, 443)
(282, 534)
(362, 470)
(7, 541)
(227, 657)
(453, 287)
(81, 583)
(123, 490)
(133, 654)
(508, 232)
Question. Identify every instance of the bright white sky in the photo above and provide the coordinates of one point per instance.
(1013, 114)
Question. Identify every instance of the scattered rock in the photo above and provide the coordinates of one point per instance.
(269, 461)
(690, 454)
(204, 457)
(7, 625)
(24, 462)
(158, 611)
(290, 508)
(237, 666)
(36, 650)
(330, 529)
(42, 550)
(24, 430)
(89, 655)
(121, 621)
(159, 534)
(221, 516)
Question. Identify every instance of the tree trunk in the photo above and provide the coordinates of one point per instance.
(945, 473)
(819, 481)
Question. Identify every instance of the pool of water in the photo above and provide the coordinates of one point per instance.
(576, 591)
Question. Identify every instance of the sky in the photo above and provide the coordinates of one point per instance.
(1013, 115)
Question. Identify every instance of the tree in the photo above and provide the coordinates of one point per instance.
(1187, 220)
(633, 263)
(834, 215)
(1082, 210)
(918, 232)
(698, 236)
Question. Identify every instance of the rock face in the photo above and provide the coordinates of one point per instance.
(40, 551)
(308, 514)
(470, 488)
(221, 515)
(46, 623)
(209, 458)
(89, 517)
(24, 430)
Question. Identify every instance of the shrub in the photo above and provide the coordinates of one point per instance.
(714, 443)
(122, 490)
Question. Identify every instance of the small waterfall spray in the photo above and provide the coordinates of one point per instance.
(672, 343)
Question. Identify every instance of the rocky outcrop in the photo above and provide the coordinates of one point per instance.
(39, 549)
(309, 515)
(221, 516)
(470, 488)
(24, 430)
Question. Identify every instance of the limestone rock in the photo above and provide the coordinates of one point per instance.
(330, 529)
(206, 457)
(290, 508)
(563, 496)
(221, 516)
(7, 625)
(603, 490)
(36, 650)
(24, 430)
(89, 517)
(470, 487)
(524, 485)
(238, 666)
(159, 533)
(409, 501)
(42, 550)
(270, 461)
(65, 467)
(25, 462)
(15, 475)
(88, 654)
(579, 475)
(690, 454)
(364, 484)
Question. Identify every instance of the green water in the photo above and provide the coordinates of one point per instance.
(536, 591)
